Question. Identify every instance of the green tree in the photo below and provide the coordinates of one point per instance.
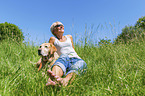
(10, 32)
(130, 34)
(140, 23)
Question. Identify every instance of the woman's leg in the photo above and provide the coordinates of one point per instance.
(56, 77)
(68, 79)
(57, 71)
(53, 75)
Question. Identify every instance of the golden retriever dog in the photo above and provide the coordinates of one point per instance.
(48, 54)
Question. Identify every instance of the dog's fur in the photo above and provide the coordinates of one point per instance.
(48, 54)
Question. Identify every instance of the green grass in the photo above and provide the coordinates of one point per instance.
(112, 70)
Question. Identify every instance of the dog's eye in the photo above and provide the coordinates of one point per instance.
(46, 46)
(40, 46)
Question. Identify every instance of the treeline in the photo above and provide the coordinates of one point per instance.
(129, 34)
(132, 33)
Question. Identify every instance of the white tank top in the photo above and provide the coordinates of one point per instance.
(65, 47)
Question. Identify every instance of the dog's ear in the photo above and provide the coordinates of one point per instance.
(52, 49)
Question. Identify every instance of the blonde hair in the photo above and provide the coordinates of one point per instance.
(53, 26)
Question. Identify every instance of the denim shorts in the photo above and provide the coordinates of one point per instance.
(69, 65)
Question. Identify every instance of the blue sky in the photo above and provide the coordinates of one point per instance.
(104, 18)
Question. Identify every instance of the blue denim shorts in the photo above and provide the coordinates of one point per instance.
(69, 65)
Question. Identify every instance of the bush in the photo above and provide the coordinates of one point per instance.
(10, 32)
(130, 34)
(104, 42)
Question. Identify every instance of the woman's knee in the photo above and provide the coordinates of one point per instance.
(57, 70)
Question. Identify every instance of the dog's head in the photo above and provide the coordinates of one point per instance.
(46, 49)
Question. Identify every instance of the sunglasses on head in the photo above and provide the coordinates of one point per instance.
(58, 25)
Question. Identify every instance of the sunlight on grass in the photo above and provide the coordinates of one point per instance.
(112, 70)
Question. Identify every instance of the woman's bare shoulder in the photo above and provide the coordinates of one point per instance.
(52, 39)
(69, 36)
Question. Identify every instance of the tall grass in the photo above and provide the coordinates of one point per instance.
(112, 70)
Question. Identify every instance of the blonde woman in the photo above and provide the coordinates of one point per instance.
(69, 63)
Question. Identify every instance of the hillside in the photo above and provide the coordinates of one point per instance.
(112, 70)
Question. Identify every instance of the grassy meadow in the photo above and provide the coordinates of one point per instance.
(112, 70)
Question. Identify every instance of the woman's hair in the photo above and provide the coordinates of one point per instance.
(53, 26)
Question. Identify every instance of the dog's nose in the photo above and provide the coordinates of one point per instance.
(39, 52)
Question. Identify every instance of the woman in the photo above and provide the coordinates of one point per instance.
(69, 63)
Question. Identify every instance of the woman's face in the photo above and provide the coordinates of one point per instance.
(59, 29)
